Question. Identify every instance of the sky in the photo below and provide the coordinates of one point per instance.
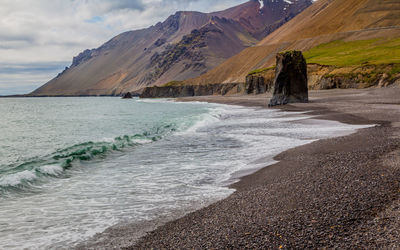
(38, 38)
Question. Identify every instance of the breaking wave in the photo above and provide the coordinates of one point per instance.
(22, 177)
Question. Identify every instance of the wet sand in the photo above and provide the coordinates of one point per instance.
(334, 193)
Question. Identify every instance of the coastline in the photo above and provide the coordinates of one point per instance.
(338, 192)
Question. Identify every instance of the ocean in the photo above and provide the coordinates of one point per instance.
(73, 167)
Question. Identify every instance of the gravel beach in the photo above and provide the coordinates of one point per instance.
(334, 193)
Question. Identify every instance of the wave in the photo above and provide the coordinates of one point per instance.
(30, 174)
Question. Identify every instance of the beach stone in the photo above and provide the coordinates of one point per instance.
(127, 95)
(290, 84)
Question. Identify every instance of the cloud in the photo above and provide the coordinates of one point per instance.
(38, 38)
(127, 4)
(24, 77)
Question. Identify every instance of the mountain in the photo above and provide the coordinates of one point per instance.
(321, 23)
(184, 46)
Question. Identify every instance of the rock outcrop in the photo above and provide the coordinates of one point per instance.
(256, 84)
(127, 95)
(290, 84)
(319, 77)
(193, 90)
(354, 76)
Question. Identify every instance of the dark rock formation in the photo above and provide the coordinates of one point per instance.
(257, 84)
(290, 84)
(127, 95)
(193, 90)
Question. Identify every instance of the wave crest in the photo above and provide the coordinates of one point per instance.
(22, 176)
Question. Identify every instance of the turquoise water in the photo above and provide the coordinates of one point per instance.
(72, 167)
(44, 137)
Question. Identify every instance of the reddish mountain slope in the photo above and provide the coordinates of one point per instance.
(324, 21)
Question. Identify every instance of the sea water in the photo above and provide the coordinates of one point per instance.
(72, 167)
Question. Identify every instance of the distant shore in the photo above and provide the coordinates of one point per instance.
(334, 193)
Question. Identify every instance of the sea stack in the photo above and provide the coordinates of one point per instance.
(290, 84)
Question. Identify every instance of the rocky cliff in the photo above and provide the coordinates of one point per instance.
(193, 90)
(320, 77)
(363, 76)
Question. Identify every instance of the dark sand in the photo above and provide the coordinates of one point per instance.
(334, 193)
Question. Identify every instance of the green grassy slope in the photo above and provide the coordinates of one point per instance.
(340, 53)
(382, 54)
(360, 64)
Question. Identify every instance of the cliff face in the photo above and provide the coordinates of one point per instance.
(258, 84)
(320, 77)
(185, 45)
(363, 76)
(193, 90)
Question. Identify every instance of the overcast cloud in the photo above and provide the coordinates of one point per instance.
(38, 38)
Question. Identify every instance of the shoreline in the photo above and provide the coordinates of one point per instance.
(136, 230)
(338, 192)
(291, 203)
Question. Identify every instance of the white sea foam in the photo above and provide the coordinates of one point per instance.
(158, 100)
(202, 121)
(142, 141)
(108, 139)
(54, 170)
(17, 178)
(266, 133)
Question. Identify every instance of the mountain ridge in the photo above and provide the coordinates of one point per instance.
(322, 22)
(187, 44)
